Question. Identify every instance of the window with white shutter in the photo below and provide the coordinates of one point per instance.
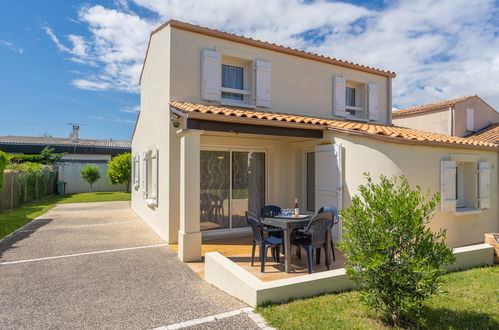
(136, 170)
(470, 120)
(153, 196)
(484, 170)
(143, 176)
(448, 186)
(262, 80)
(372, 101)
(211, 75)
(339, 91)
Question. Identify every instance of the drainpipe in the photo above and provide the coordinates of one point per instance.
(452, 120)
(389, 99)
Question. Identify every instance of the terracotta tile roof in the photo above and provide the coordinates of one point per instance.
(46, 141)
(487, 134)
(399, 134)
(430, 107)
(266, 45)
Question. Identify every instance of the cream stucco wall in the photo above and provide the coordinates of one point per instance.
(421, 165)
(154, 129)
(298, 85)
(437, 122)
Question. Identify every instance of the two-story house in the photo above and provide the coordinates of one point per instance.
(230, 124)
(463, 117)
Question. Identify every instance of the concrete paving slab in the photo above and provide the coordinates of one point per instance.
(46, 243)
(142, 288)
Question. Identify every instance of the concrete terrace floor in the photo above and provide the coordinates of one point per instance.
(97, 265)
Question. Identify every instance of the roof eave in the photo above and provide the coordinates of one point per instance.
(399, 140)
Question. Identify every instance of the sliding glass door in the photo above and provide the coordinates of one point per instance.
(232, 182)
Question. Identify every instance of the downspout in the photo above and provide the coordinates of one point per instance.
(452, 120)
(389, 99)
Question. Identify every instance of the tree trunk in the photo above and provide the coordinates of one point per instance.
(90, 188)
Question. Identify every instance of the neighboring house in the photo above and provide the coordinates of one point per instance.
(229, 124)
(79, 153)
(488, 134)
(457, 117)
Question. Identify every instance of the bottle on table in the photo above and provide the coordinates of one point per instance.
(297, 208)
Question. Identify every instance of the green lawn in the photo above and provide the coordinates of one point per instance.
(11, 221)
(470, 301)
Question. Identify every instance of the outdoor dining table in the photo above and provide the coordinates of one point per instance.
(287, 223)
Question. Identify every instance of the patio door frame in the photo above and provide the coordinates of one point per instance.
(230, 149)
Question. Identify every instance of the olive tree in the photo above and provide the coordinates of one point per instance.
(119, 170)
(393, 257)
(90, 174)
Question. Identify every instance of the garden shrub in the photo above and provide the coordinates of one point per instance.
(34, 181)
(393, 257)
(46, 156)
(120, 170)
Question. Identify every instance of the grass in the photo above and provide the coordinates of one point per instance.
(470, 301)
(17, 218)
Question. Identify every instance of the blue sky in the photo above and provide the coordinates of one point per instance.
(73, 61)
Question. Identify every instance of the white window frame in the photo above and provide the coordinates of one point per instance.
(469, 206)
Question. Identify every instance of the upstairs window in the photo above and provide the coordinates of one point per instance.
(355, 100)
(232, 82)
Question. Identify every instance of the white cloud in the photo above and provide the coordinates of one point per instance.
(11, 46)
(133, 109)
(95, 85)
(439, 49)
(125, 121)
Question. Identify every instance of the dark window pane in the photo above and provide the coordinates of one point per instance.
(350, 96)
(215, 185)
(248, 185)
(232, 76)
(232, 96)
(311, 181)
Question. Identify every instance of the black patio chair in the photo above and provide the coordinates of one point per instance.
(264, 243)
(315, 237)
(270, 211)
(334, 211)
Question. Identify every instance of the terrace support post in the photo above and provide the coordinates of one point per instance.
(189, 235)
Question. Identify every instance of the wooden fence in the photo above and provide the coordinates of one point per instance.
(24, 187)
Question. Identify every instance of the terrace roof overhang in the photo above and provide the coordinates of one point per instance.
(232, 124)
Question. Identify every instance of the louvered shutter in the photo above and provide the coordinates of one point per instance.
(134, 176)
(373, 101)
(143, 181)
(448, 186)
(484, 170)
(470, 120)
(339, 84)
(263, 79)
(211, 76)
(137, 170)
(154, 176)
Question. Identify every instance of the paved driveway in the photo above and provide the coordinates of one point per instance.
(97, 265)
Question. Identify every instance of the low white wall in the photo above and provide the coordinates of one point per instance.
(472, 256)
(236, 281)
(70, 173)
